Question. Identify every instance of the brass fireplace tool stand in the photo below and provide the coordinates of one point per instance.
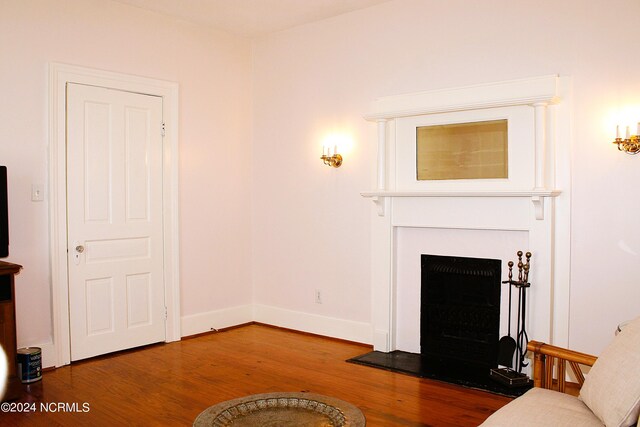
(510, 375)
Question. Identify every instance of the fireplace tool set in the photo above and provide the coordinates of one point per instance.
(511, 375)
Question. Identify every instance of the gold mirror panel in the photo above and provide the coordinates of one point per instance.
(475, 150)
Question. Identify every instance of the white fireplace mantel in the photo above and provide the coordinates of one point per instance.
(536, 195)
(534, 199)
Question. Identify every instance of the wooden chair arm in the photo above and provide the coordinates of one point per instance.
(561, 353)
(544, 356)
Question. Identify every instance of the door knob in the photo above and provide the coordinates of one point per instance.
(79, 249)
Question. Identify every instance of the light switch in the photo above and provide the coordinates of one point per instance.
(37, 193)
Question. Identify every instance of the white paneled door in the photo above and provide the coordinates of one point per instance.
(114, 211)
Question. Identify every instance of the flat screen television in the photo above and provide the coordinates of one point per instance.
(4, 214)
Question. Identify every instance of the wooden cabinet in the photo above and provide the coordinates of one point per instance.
(8, 326)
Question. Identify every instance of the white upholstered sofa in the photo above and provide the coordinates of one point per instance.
(609, 396)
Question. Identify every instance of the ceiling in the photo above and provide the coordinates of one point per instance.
(252, 18)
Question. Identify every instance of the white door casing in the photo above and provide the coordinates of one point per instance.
(114, 220)
(59, 352)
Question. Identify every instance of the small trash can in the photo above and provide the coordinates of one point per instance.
(29, 364)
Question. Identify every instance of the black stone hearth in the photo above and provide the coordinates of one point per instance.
(411, 364)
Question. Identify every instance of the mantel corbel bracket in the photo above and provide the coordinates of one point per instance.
(538, 206)
(381, 204)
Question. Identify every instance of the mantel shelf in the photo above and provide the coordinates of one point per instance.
(537, 196)
(462, 193)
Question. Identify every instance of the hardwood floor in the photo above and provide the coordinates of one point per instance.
(170, 384)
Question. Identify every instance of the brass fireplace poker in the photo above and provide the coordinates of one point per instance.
(507, 345)
(523, 271)
(521, 284)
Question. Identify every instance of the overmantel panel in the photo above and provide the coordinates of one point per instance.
(531, 156)
(521, 150)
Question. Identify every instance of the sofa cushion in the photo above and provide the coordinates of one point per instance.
(542, 407)
(612, 387)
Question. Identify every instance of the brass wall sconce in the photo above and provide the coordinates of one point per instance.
(630, 144)
(334, 160)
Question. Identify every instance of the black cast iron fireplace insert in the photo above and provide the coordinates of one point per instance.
(459, 317)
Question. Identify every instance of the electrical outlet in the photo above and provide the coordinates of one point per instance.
(37, 193)
(318, 297)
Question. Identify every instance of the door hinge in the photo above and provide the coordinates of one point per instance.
(166, 315)
(163, 129)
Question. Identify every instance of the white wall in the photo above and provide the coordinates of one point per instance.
(213, 73)
(267, 220)
(310, 228)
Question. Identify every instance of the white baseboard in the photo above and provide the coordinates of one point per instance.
(48, 355)
(217, 319)
(313, 323)
(234, 316)
(381, 341)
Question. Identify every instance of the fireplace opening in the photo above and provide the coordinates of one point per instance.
(459, 326)
(459, 317)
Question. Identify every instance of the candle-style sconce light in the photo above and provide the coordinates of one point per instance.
(631, 143)
(330, 156)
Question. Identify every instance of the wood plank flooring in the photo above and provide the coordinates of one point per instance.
(170, 384)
